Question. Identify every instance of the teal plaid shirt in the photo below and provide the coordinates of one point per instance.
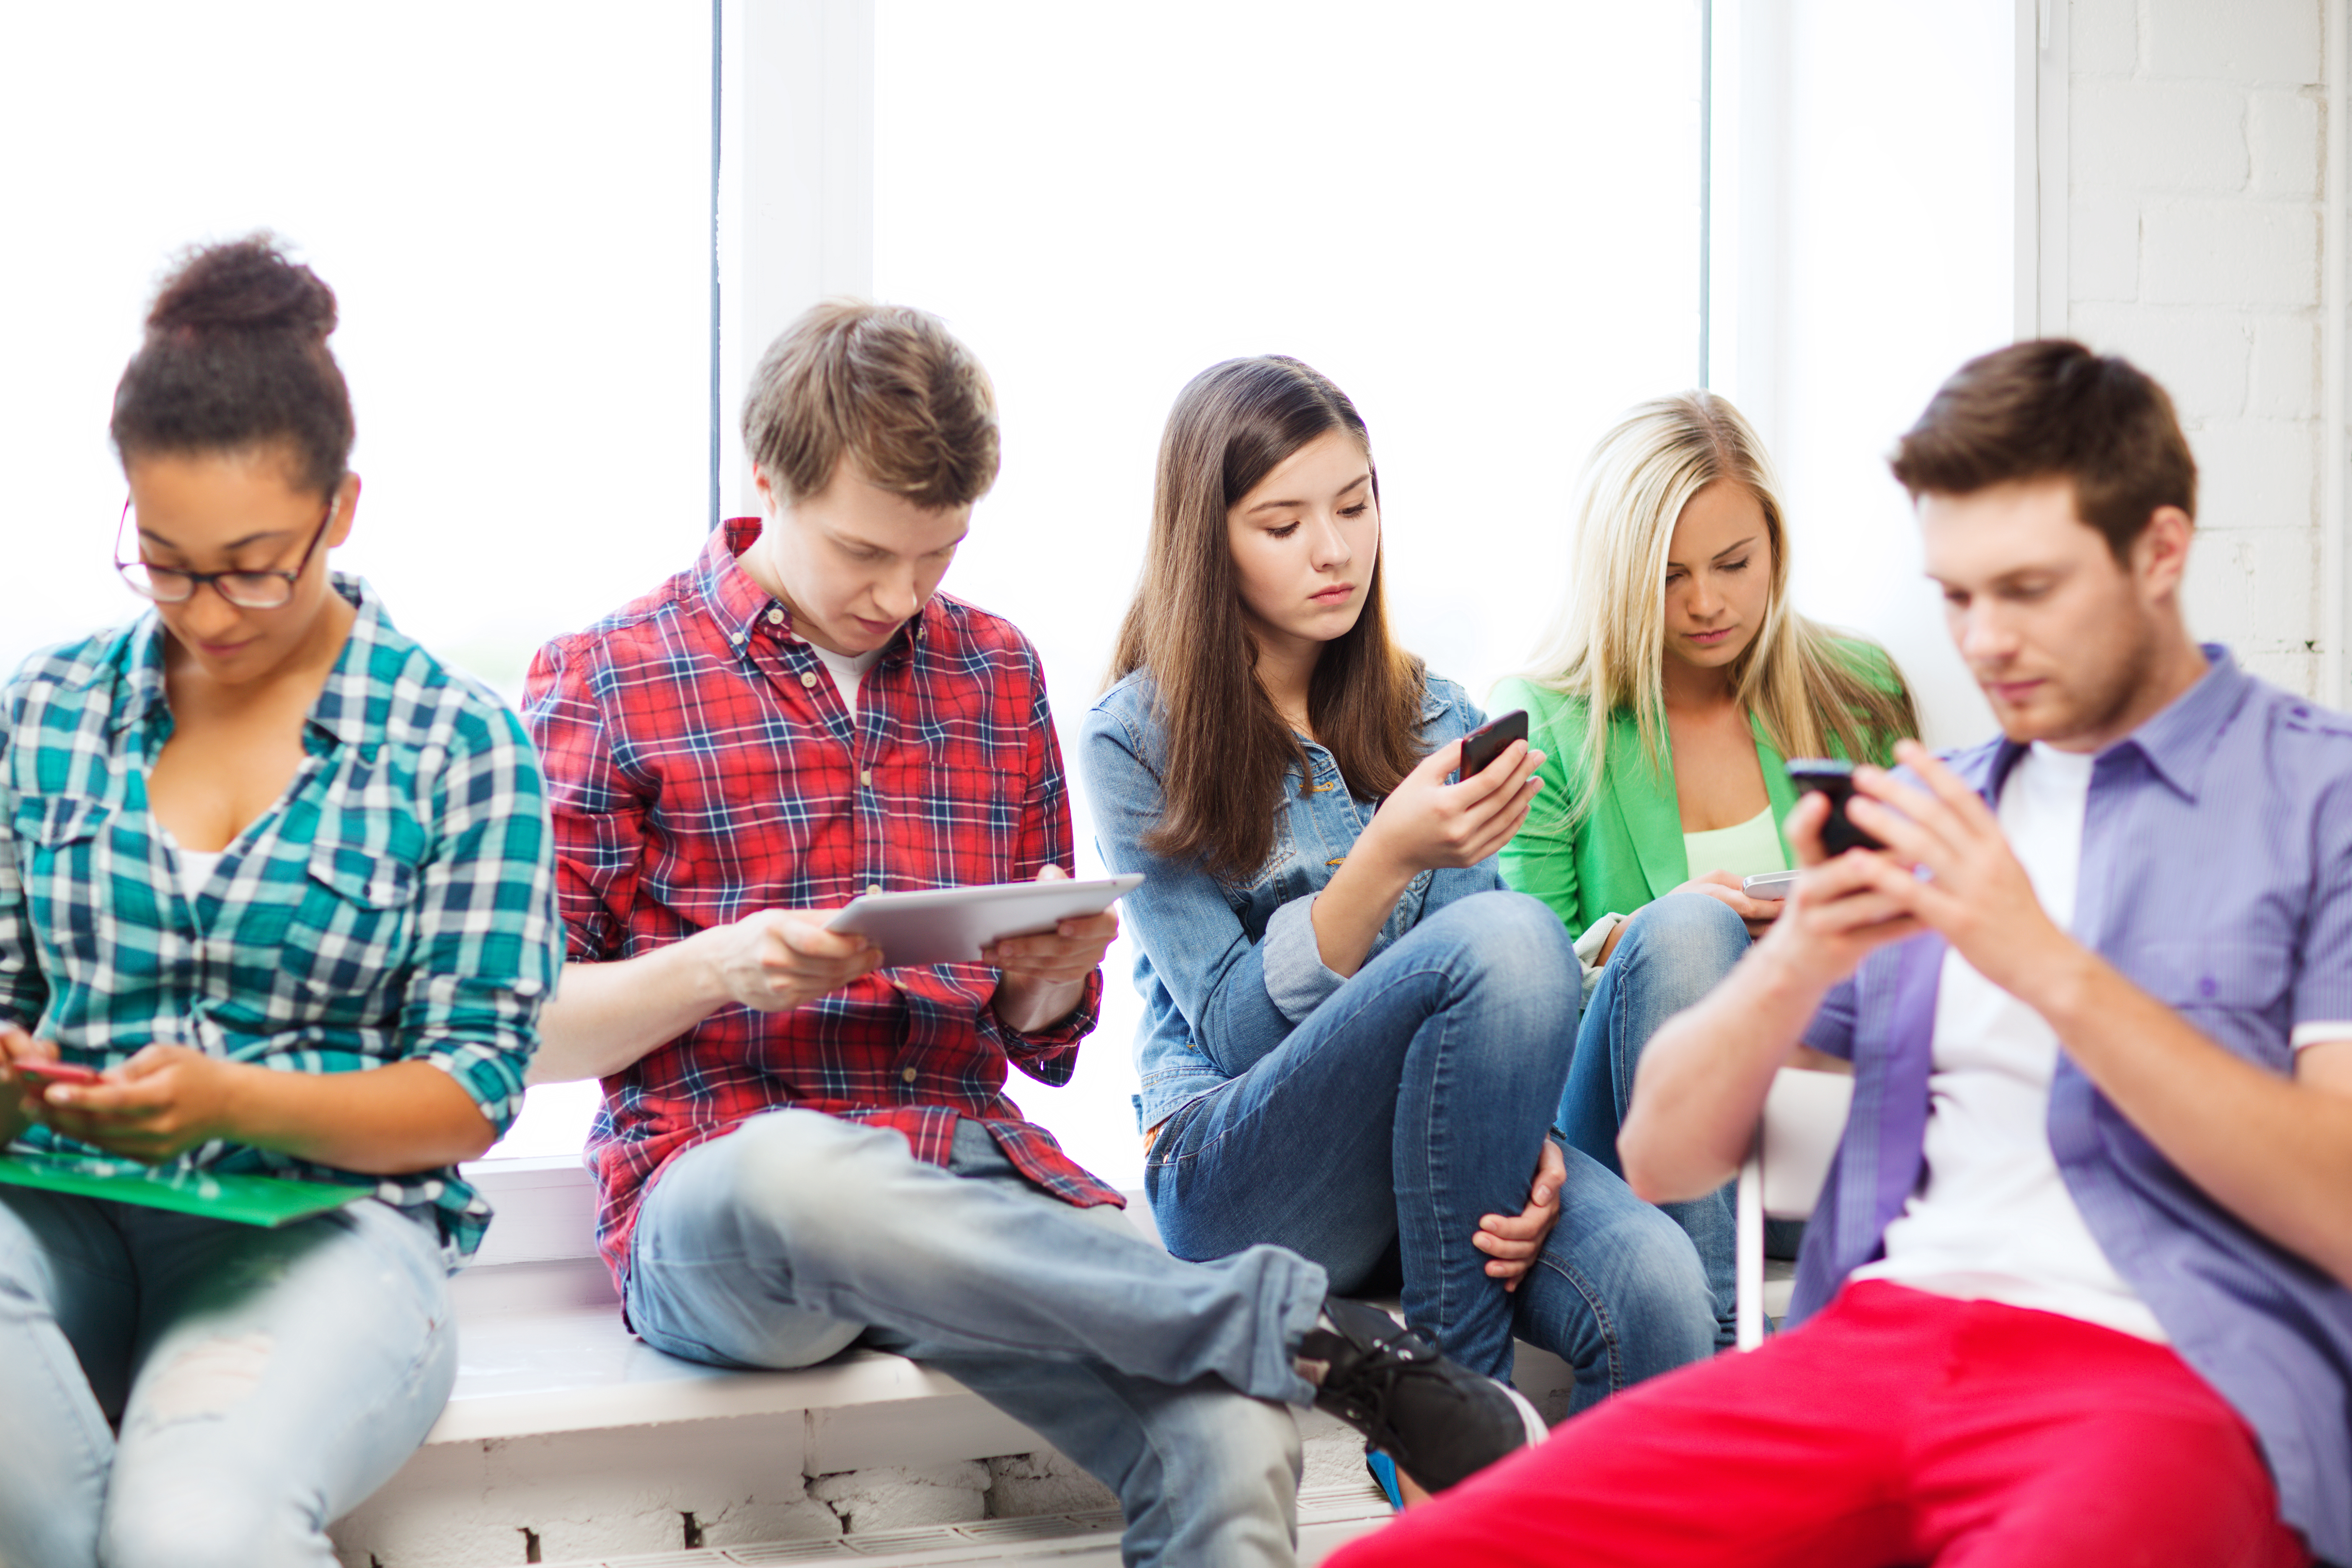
(397, 903)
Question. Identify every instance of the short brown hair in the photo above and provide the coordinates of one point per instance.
(885, 385)
(2051, 409)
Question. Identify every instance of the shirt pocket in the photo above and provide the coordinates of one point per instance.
(2223, 988)
(966, 824)
(354, 925)
(64, 871)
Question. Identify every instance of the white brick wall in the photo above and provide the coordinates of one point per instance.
(2193, 236)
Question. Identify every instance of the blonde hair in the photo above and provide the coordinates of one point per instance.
(1607, 643)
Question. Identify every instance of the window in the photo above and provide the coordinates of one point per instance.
(513, 206)
(1482, 223)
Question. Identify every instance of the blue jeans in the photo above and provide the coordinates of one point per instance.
(263, 1382)
(798, 1234)
(1413, 1102)
(1674, 950)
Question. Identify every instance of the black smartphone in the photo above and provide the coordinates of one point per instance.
(1835, 780)
(1484, 744)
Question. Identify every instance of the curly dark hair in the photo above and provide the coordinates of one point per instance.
(236, 357)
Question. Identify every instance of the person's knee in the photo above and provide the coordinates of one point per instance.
(1688, 940)
(807, 1177)
(1514, 938)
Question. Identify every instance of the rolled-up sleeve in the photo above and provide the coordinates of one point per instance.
(1296, 978)
(489, 944)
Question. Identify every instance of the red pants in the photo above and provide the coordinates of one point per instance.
(1895, 1428)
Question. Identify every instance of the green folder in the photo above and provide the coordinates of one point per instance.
(270, 1200)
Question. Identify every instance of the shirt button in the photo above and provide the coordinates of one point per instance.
(808, 678)
(866, 776)
(775, 617)
(873, 887)
(907, 1074)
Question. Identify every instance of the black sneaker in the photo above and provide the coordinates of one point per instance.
(1438, 1419)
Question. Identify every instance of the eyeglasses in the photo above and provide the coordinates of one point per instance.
(246, 590)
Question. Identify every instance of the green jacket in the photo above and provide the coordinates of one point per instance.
(1628, 849)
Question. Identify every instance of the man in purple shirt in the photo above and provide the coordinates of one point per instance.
(2076, 1289)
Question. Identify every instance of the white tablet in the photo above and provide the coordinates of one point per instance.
(951, 925)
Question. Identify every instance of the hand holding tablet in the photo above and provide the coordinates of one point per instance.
(952, 925)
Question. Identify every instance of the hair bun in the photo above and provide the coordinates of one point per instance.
(245, 285)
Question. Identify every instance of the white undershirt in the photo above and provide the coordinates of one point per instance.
(1995, 1221)
(848, 673)
(196, 865)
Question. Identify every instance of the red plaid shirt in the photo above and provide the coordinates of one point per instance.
(701, 765)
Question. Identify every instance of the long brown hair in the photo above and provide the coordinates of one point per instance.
(1228, 748)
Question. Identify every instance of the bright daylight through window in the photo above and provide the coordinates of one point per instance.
(513, 206)
(1486, 232)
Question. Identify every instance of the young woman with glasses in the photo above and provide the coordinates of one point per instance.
(283, 884)
(1353, 1033)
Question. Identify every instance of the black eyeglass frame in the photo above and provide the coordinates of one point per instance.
(198, 579)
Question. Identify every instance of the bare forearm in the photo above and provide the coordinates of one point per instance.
(409, 1116)
(1704, 1077)
(2275, 1152)
(1354, 905)
(606, 1015)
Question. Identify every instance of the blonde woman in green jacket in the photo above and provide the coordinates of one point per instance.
(1671, 688)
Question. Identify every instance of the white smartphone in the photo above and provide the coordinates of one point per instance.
(951, 925)
(1770, 884)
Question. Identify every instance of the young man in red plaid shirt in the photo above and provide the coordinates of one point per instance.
(799, 1150)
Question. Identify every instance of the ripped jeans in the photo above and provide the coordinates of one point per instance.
(181, 1390)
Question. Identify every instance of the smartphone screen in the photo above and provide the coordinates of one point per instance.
(1482, 745)
(1835, 780)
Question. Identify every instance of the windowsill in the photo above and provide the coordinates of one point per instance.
(546, 1208)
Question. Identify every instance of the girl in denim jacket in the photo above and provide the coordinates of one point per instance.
(1354, 1035)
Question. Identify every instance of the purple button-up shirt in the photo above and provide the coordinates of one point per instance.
(2217, 876)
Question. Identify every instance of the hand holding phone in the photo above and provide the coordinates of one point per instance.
(1482, 745)
(1834, 779)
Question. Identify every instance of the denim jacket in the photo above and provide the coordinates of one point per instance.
(1228, 967)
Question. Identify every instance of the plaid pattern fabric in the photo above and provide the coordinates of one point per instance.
(397, 904)
(701, 765)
